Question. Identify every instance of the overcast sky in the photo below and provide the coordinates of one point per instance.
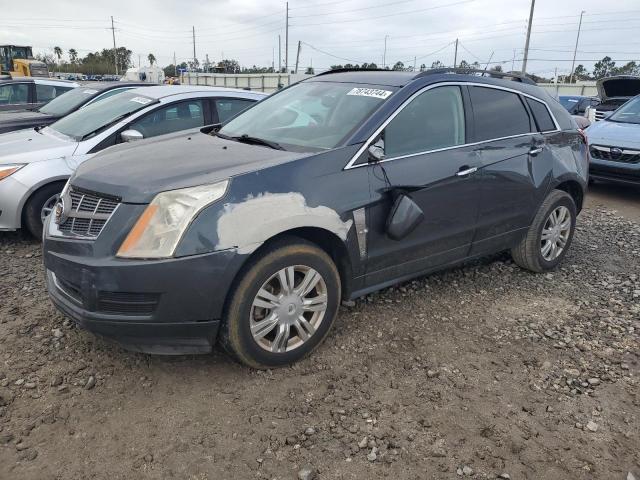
(355, 30)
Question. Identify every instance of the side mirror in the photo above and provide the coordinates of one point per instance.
(404, 217)
(376, 152)
(131, 135)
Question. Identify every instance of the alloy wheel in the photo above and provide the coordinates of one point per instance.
(555, 233)
(288, 308)
(48, 206)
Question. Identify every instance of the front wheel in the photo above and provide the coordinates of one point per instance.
(283, 306)
(550, 234)
(40, 206)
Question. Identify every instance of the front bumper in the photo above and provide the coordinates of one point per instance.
(12, 197)
(170, 306)
(614, 171)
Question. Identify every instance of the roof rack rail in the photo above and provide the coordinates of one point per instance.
(342, 70)
(514, 76)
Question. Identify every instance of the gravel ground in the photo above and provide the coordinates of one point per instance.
(484, 371)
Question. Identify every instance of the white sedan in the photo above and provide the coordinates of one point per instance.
(36, 163)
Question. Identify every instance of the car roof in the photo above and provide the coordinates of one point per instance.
(390, 78)
(511, 80)
(103, 86)
(162, 91)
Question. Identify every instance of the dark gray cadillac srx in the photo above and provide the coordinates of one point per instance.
(337, 186)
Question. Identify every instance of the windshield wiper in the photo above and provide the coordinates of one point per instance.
(244, 138)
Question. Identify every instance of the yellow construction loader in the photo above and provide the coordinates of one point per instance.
(18, 61)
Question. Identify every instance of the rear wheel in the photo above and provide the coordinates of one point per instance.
(39, 206)
(550, 234)
(283, 306)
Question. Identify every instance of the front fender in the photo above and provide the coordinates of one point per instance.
(247, 224)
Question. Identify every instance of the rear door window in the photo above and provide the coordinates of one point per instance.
(229, 107)
(541, 114)
(498, 114)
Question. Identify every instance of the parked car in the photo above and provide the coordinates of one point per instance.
(614, 145)
(254, 234)
(30, 92)
(578, 104)
(36, 163)
(61, 106)
(613, 93)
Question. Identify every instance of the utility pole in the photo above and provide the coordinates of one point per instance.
(273, 59)
(139, 60)
(489, 61)
(194, 45)
(384, 55)
(115, 51)
(298, 55)
(575, 50)
(513, 60)
(175, 65)
(526, 45)
(414, 63)
(286, 42)
(279, 55)
(455, 57)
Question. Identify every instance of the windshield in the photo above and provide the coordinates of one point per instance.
(91, 119)
(309, 115)
(568, 102)
(69, 101)
(628, 113)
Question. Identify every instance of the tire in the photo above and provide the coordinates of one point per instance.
(291, 255)
(33, 209)
(529, 253)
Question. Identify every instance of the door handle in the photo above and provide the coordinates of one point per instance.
(535, 150)
(467, 171)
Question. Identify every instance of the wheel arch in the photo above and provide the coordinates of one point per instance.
(35, 189)
(324, 239)
(575, 189)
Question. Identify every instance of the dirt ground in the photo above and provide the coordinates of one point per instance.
(483, 371)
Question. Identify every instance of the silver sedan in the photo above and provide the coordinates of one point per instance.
(36, 163)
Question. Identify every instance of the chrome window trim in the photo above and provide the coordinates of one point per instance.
(377, 132)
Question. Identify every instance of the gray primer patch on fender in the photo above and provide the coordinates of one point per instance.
(248, 224)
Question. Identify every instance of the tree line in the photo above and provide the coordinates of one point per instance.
(605, 68)
(93, 63)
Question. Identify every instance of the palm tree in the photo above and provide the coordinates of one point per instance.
(151, 58)
(73, 55)
(57, 51)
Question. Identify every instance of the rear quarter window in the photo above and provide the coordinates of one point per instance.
(541, 114)
(498, 113)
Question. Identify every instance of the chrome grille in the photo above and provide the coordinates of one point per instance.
(615, 154)
(88, 214)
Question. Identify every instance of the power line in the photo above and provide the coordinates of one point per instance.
(354, 9)
(461, 2)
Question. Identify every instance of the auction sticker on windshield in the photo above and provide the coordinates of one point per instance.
(370, 92)
(142, 100)
(90, 91)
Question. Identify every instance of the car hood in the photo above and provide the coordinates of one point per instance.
(614, 134)
(618, 87)
(137, 171)
(26, 146)
(11, 121)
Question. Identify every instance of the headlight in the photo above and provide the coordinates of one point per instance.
(6, 170)
(159, 229)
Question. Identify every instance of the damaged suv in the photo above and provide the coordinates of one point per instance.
(251, 234)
